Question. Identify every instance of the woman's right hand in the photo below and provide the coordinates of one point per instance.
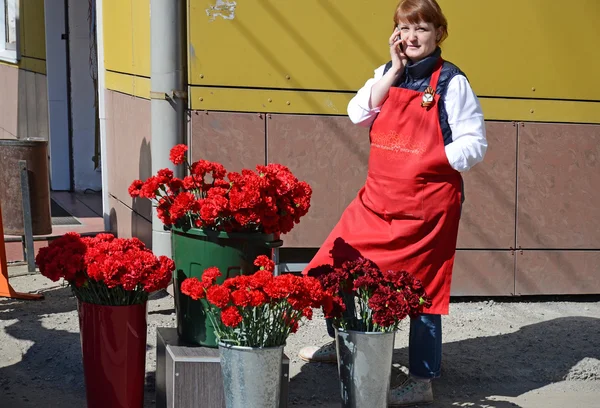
(399, 59)
(381, 89)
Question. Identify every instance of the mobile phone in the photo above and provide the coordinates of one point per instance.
(399, 38)
(400, 45)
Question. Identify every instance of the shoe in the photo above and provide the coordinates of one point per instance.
(323, 354)
(411, 392)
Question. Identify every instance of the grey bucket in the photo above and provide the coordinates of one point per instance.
(251, 376)
(364, 367)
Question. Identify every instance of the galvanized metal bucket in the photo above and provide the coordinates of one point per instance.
(365, 367)
(251, 376)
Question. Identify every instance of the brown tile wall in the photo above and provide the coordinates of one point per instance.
(331, 154)
(128, 158)
(488, 216)
(236, 140)
(558, 272)
(537, 188)
(559, 186)
(483, 273)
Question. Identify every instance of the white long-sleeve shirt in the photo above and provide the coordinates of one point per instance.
(465, 118)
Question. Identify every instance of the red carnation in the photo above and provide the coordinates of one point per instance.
(210, 275)
(184, 203)
(219, 296)
(164, 175)
(231, 317)
(241, 298)
(260, 279)
(192, 288)
(125, 265)
(257, 298)
(264, 263)
(177, 155)
(135, 188)
(163, 211)
(150, 188)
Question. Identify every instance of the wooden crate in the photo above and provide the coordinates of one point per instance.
(190, 376)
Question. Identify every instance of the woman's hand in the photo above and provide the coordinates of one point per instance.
(381, 89)
(399, 59)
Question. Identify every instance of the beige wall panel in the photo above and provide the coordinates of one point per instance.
(558, 186)
(483, 273)
(31, 104)
(22, 103)
(5, 135)
(488, 218)
(236, 140)
(3, 100)
(128, 143)
(41, 97)
(9, 82)
(331, 154)
(558, 272)
(125, 223)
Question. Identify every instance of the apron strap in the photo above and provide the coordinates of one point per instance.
(436, 73)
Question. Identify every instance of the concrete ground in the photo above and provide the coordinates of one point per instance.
(497, 354)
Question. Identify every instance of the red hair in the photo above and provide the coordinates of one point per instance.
(422, 11)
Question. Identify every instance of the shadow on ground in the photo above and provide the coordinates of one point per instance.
(50, 371)
(476, 369)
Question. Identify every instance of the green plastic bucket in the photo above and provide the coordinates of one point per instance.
(195, 250)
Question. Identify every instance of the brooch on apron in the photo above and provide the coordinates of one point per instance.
(428, 97)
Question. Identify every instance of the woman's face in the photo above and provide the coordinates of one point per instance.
(420, 40)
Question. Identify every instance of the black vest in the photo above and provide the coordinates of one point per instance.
(416, 77)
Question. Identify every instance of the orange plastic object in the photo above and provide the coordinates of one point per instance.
(5, 289)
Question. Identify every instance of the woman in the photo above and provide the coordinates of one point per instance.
(426, 128)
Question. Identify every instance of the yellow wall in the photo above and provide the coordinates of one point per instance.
(526, 59)
(127, 46)
(509, 49)
(32, 36)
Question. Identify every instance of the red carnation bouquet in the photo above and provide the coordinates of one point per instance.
(105, 270)
(259, 310)
(268, 200)
(368, 299)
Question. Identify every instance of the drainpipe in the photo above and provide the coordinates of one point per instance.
(102, 114)
(167, 26)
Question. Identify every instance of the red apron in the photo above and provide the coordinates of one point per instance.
(406, 216)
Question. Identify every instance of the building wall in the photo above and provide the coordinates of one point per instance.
(269, 81)
(127, 76)
(309, 58)
(86, 175)
(24, 99)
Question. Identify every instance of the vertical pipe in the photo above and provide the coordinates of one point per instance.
(167, 26)
(102, 114)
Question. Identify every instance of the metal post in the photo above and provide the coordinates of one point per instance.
(102, 113)
(275, 259)
(167, 49)
(6, 290)
(27, 223)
